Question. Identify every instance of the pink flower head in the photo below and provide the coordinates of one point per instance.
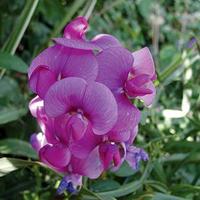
(83, 104)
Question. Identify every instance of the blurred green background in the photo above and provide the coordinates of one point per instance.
(169, 131)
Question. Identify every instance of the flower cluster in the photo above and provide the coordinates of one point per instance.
(83, 105)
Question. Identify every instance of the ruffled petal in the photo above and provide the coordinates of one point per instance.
(35, 105)
(64, 96)
(82, 148)
(105, 41)
(119, 136)
(149, 98)
(114, 66)
(133, 134)
(100, 108)
(56, 156)
(128, 114)
(143, 62)
(38, 141)
(76, 28)
(77, 44)
(81, 64)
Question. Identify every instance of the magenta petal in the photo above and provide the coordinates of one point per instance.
(105, 41)
(128, 114)
(100, 108)
(76, 44)
(64, 95)
(41, 79)
(114, 66)
(85, 145)
(92, 166)
(143, 62)
(81, 64)
(57, 156)
(76, 28)
(133, 134)
(148, 99)
(38, 141)
(54, 58)
(119, 136)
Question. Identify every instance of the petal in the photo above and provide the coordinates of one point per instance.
(82, 148)
(81, 64)
(105, 41)
(135, 155)
(100, 108)
(128, 114)
(114, 66)
(76, 28)
(53, 58)
(92, 166)
(148, 99)
(38, 141)
(36, 104)
(76, 44)
(57, 156)
(119, 136)
(41, 79)
(64, 96)
(143, 62)
(133, 134)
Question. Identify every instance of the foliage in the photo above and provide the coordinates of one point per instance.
(170, 131)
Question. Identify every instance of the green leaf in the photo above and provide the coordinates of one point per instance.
(8, 165)
(160, 196)
(125, 170)
(17, 147)
(11, 114)
(104, 185)
(20, 27)
(10, 62)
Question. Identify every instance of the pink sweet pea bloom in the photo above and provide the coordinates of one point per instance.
(84, 107)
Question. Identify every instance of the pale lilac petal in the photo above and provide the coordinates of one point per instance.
(56, 156)
(77, 44)
(143, 62)
(100, 107)
(105, 41)
(149, 98)
(81, 64)
(114, 66)
(38, 141)
(134, 155)
(128, 114)
(64, 96)
(76, 28)
(36, 104)
(133, 134)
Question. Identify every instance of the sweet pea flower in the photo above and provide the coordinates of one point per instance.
(83, 105)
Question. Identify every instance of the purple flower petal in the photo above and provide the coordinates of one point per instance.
(105, 41)
(114, 66)
(148, 98)
(76, 44)
(76, 28)
(38, 141)
(100, 107)
(64, 96)
(56, 156)
(135, 155)
(81, 64)
(82, 148)
(128, 114)
(143, 62)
